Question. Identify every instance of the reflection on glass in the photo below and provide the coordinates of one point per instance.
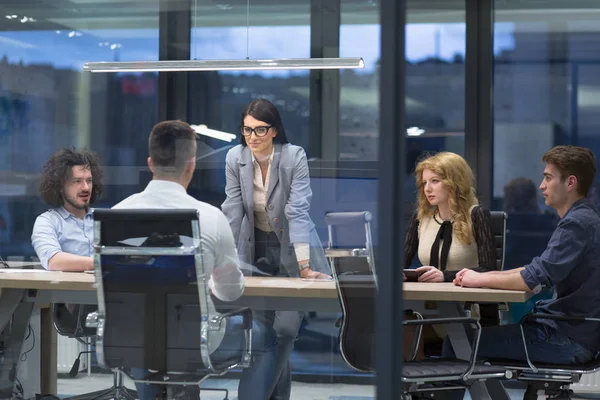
(545, 77)
(47, 103)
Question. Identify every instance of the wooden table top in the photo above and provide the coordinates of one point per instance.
(267, 287)
(25, 264)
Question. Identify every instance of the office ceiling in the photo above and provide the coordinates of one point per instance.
(123, 14)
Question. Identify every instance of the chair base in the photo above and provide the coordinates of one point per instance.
(553, 391)
(117, 393)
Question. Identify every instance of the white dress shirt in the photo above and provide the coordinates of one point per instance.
(218, 247)
(261, 216)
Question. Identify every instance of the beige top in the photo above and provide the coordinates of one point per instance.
(460, 255)
(261, 216)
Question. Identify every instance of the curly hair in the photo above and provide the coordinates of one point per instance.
(457, 176)
(58, 169)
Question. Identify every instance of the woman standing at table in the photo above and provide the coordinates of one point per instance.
(268, 200)
(450, 230)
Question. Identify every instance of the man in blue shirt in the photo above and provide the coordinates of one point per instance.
(63, 236)
(569, 265)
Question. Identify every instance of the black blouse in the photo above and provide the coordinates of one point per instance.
(481, 220)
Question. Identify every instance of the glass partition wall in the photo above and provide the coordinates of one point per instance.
(543, 77)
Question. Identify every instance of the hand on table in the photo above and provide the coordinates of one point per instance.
(430, 274)
(468, 278)
(308, 273)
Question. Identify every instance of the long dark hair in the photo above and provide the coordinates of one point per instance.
(58, 170)
(264, 110)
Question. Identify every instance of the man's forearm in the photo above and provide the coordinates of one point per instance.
(506, 272)
(69, 262)
(511, 280)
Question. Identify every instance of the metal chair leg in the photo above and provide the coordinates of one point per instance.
(118, 391)
(129, 394)
(92, 395)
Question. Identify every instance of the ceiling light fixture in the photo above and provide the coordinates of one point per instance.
(225, 65)
(203, 130)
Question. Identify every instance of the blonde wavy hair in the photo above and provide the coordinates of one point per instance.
(456, 175)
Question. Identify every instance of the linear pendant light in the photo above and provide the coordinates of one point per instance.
(225, 65)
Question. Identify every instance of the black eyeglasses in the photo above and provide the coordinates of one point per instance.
(258, 131)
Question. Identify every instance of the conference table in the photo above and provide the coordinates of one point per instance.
(22, 288)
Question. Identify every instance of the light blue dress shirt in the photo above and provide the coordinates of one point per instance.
(57, 231)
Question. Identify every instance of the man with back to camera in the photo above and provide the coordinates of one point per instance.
(63, 236)
(568, 265)
(172, 160)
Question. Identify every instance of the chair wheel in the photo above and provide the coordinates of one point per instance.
(565, 395)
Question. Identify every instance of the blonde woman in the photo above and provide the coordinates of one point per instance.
(450, 230)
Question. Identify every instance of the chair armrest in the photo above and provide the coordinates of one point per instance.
(441, 321)
(418, 334)
(532, 316)
(456, 320)
(536, 316)
(245, 312)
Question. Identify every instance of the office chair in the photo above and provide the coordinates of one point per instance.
(72, 323)
(355, 275)
(554, 379)
(154, 311)
(350, 251)
(499, 231)
(490, 312)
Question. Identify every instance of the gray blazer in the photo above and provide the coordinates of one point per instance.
(288, 200)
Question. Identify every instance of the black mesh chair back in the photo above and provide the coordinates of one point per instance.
(152, 294)
(499, 231)
(351, 253)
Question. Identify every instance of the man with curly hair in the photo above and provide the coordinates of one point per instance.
(63, 236)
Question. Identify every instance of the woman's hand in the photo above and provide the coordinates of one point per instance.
(308, 273)
(430, 274)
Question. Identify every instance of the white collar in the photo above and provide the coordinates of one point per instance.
(254, 161)
(158, 185)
